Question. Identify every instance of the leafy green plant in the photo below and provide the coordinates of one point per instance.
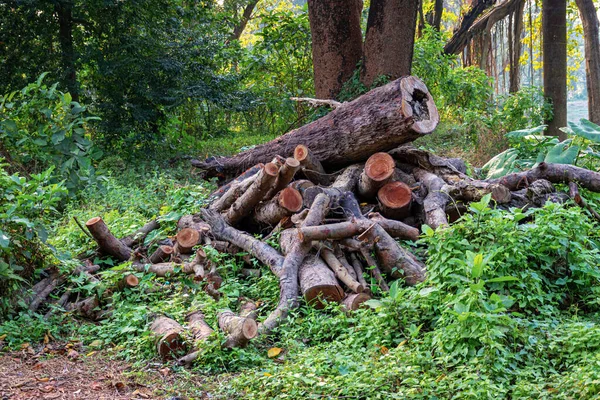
(42, 127)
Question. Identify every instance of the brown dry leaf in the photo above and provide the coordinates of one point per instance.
(164, 371)
(119, 385)
(46, 339)
(37, 366)
(140, 394)
(274, 352)
(383, 349)
(96, 386)
(42, 379)
(47, 388)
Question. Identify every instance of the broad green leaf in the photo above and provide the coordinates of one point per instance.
(559, 155)
(503, 279)
(586, 129)
(4, 240)
(526, 132)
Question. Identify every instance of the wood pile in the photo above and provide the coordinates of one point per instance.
(340, 194)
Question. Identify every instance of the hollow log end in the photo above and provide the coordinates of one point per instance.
(418, 103)
(380, 167)
(395, 195)
(317, 295)
(290, 199)
(170, 344)
(355, 301)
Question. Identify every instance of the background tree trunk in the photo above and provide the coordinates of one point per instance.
(554, 29)
(461, 36)
(246, 15)
(589, 18)
(438, 10)
(515, 70)
(389, 41)
(65, 37)
(336, 43)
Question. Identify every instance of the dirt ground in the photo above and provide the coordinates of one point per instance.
(70, 375)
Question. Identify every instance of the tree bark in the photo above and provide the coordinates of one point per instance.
(200, 331)
(554, 28)
(246, 15)
(336, 43)
(139, 236)
(389, 42)
(318, 283)
(353, 301)
(589, 18)
(438, 10)
(284, 204)
(515, 66)
(63, 9)
(240, 330)
(163, 253)
(461, 35)
(340, 271)
(380, 120)
(106, 241)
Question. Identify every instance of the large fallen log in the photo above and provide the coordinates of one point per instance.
(380, 120)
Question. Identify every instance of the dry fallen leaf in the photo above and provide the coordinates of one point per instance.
(119, 385)
(164, 371)
(72, 354)
(42, 379)
(38, 366)
(96, 386)
(274, 351)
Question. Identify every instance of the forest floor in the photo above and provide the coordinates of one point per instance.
(64, 373)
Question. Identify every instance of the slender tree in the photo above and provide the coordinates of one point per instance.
(589, 18)
(336, 43)
(554, 31)
(388, 48)
(517, 30)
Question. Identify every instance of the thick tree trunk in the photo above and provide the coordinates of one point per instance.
(515, 66)
(380, 120)
(65, 37)
(589, 18)
(554, 28)
(388, 48)
(336, 43)
(438, 10)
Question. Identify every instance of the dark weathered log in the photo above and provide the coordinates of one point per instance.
(163, 253)
(194, 222)
(255, 193)
(106, 241)
(403, 177)
(394, 200)
(436, 200)
(318, 283)
(187, 238)
(580, 201)
(396, 229)
(301, 185)
(358, 270)
(200, 331)
(555, 173)
(378, 170)
(139, 236)
(394, 259)
(86, 308)
(340, 271)
(248, 309)
(471, 190)
(168, 337)
(353, 301)
(240, 330)
(444, 167)
(337, 250)
(288, 274)
(374, 269)
(348, 179)
(284, 204)
(285, 176)
(43, 289)
(262, 251)
(380, 120)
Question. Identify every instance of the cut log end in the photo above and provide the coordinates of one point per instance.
(187, 238)
(93, 221)
(301, 153)
(418, 104)
(380, 167)
(395, 198)
(249, 328)
(317, 296)
(355, 301)
(170, 344)
(271, 169)
(290, 199)
(131, 281)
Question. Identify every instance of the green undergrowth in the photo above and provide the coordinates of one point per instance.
(509, 309)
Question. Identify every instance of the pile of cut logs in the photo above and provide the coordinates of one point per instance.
(340, 194)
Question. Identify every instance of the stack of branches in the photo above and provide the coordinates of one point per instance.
(340, 194)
